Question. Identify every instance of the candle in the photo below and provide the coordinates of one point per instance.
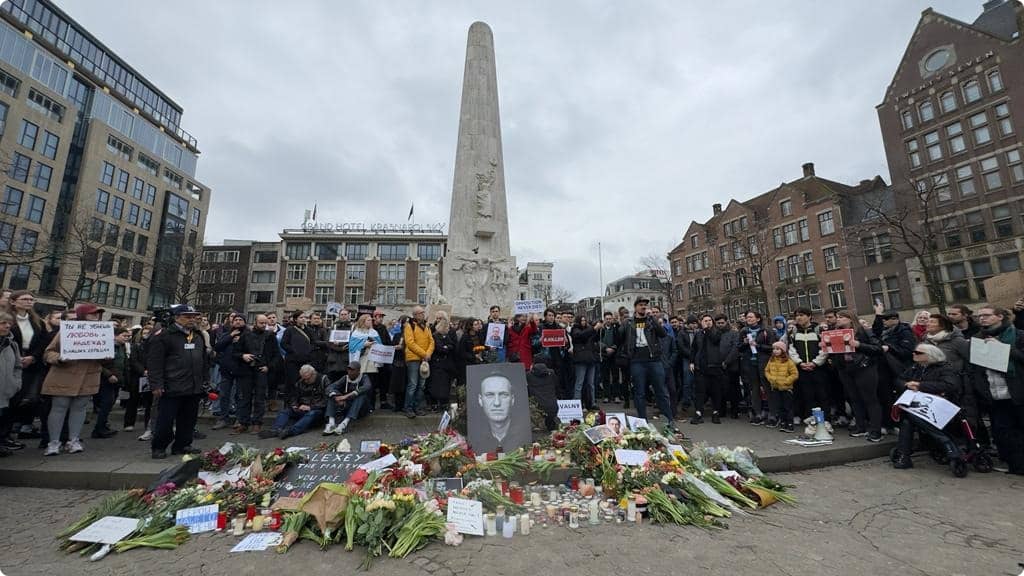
(499, 518)
(222, 521)
(509, 528)
(595, 510)
(574, 483)
(250, 512)
(552, 511)
(524, 524)
(489, 524)
(516, 493)
(238, 525)
(535, 498)
(257, 523)
(574, 516)
(631, 509)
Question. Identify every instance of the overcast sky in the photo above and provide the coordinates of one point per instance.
(622, 121)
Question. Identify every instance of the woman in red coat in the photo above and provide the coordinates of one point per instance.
(520, 340)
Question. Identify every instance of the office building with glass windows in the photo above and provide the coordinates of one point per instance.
(100, 196)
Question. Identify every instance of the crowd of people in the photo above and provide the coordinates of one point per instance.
(309, 371)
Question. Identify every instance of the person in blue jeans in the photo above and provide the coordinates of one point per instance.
(307, 400)
(641, 338)
(347, 396)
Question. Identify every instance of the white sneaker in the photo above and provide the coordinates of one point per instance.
(75, 446)
(146, 436)
(128, 428)
(329, 429)
(340, 429)
(52, 449)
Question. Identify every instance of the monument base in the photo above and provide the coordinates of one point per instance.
(473, 283)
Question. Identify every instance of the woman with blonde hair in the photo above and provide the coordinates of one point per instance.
(443, 365)
(920, 326)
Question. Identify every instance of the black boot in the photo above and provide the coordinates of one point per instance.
(901, 461)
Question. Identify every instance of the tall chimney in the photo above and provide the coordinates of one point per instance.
(808, 169)
(717, 208)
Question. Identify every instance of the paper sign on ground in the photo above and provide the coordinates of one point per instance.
(807, 442)
(528, 307)
(552, 337)
(198, 519)
(107, 530)
(495, 335)
(379, 463)
(84, 340)
(382, 354)
(991, 354)
(635, 423)
(233, 475)
(340, 336)
(597, 434)
(569, 410)
(333, 308)
(933, 409)
(631, 457)
(446, 485)
(838, 341)
(258, 542)
(369, 446)
(446, 421)
(466, 515)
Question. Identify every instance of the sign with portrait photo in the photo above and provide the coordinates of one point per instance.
(498, 407)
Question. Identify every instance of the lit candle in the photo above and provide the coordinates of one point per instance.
(524, 524)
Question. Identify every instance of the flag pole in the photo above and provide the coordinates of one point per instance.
(600, 276)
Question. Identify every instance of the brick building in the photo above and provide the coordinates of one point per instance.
(223, 279)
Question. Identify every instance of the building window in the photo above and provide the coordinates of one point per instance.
(926, 111)
(990, 172)
(831, 255)
(907, 117)
(421, 295)
(392, 273)
(148, 164)
(387, 295)
(228, 276)
(355, 271)
(786, 207)
(297, 250)
(323, 294)
(19, 277)
(220, 256)
(421, 273)
(429, 251)
(102, 289)
(326, 272)
(957, 274)
(107, 176)
(43, 104)
(809, 263)
(971, 91)
(133, 214)
(837, 295)
(128, 241)
(296, 272)
(117, 208)
(36, 207)
(743, 222)
(392, 251)
(12, 201)
(266, 257)
(150, 194)
(954, 132)
(29, 239)
(790, 234)
(1008, 263)
(3, 121)
(965, 181)
(982, 270)
(693, 241)
(913, 154)
(932, 146)
(940, 188)
(142, 246)
(951, 229)
(793, 264)
(50, 144)
(948, 101)
(356, 251)
(353, 295)
(826, 225)
(726, 281)
(123, 267)
(119, 148)
(886, 290)
(979, 126)
(9, 84)
(995, 81)
(172, 179)
(781, 269)
(102, 201)
(1014, 166)
(261, 297)
(133, 298)
(975, 226)
(295, 292)
(264, 277)
(19, 167)
(326, 251)
(805, 232)
(1003, 119)
(122, 181)
(29, 131)
(207, 276)
(225, 298)
(41, 180)
(1002, 221)
(6, 236)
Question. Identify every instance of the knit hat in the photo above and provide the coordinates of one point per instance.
(780, 345)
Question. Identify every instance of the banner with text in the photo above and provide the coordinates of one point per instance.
(85, 340)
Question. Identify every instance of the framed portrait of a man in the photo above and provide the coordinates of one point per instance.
(498, 407)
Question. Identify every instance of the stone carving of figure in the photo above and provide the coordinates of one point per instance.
(434, 295)
(484, 182)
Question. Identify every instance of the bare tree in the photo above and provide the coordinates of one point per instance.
(659, 266)
(910, 221)
(560, 294)
(753, 253)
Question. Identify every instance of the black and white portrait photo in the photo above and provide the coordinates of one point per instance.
(498, 407)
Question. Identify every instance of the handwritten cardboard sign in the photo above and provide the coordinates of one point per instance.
(528, 307)
(382, 354)
(569, 410)
(107, 530)
(380, 463)
(466, 515)
(1004, 289)
(321, 467)
(838, 341)
(85, 340)
(552, 337)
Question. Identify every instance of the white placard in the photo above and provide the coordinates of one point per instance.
(933, 409)
(466, 515)
(528, 307)
(991, 354)
(382, 354)
(233, 475)
(379, 463)
(630, 457)
(495, 335)
(635, 423)
(446, 420)
(107, 530)
(369, 446)
(198, 519)
(569, 410)
(258, 542)
(83, 340)
(340, 336)
(333, 308)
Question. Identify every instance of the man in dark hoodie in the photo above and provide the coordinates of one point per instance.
(898, 343)
(610, 381)
(686, 342)
(641, 337)
(713, 356)
(230, 368)
(542, 385)
(755, 349)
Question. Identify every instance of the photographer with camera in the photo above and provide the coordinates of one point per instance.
(248, 354)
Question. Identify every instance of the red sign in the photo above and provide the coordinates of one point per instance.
(837, 341)
(552, 338)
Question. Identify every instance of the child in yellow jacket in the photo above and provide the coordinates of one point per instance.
(781, 374)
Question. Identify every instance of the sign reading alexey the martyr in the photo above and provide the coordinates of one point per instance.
(321, 467)
(85, 340)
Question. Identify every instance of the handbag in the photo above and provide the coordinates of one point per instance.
(424, 369)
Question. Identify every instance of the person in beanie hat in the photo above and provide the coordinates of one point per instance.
(781, 374)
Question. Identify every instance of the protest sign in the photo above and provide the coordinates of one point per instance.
(85, 340)
(369, 446)
(258, 542)
(298, 303)
(382, 354)
(334, 467)
(933, 409)
(1004, 290)
(340, 336)
(569, 410)
(991, 354)
(631, 457)
(466, 515)
(333, 308)
(107, 530)
(380, 463)
(198, 519)
(552, 337)
(528, 307)
(495, 335)
(446, 421)
(838, 341)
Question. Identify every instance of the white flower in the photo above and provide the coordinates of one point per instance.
(452, 536)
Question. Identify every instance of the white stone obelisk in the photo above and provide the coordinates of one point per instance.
(479, 270)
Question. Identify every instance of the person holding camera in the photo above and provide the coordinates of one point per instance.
(253, 354)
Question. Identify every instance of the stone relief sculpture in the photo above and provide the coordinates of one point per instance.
(434, 295)
(484, 182)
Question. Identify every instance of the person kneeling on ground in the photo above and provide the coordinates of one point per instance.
(346, 395)
(932, 374)
(307, 398)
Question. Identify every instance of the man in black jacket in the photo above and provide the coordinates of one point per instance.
(347, 396)
(233, 372)
(610, 381)
(806, 351)
(254, 354)
(179, 375)
(898, 343)
(307, 399)
(640, 337)
(755, 348)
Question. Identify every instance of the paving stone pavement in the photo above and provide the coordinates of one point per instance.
(855, 519)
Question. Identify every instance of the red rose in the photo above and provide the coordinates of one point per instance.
(358, 477)
(383, 450)
(278, 452)
(212, 396)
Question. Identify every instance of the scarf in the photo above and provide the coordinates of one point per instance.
(357, 340)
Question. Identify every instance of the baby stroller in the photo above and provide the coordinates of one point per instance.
(943, 444)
